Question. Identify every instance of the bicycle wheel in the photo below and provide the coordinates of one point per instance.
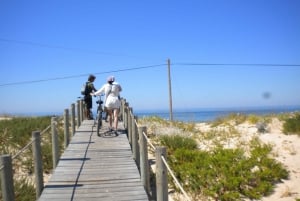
(99, 122)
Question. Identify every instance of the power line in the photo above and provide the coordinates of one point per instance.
(80, 75)
(49, 46)
(144, 67)
(233, 64)
(43, 45)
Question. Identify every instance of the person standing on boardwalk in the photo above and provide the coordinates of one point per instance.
(88, 99)
(112, 102)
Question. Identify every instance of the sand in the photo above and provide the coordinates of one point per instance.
(4, 118)
(286, 149)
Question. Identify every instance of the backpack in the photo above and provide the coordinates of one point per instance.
(84, 89)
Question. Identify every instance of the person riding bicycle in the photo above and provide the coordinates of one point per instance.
(88, 99)
(112, 102)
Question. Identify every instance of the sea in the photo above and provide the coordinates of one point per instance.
(193, 115)
(208, 115)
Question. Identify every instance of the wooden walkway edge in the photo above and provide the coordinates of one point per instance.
(95, 168)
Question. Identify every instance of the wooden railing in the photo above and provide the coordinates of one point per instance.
(137, 137)
(6, 160)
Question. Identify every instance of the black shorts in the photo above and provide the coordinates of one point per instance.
(88, 102)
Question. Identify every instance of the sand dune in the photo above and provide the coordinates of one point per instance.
(286, 149)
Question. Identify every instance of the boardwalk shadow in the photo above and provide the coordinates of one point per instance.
(63, 186)
(75, 159)
(82, 142)
(92, 168)
(83, 131)
(122, 132)
(109, 134)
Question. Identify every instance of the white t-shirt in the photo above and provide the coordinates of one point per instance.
(112, 94)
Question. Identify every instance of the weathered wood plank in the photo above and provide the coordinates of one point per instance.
(95, 168)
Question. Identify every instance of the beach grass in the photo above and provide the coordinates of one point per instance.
(223, 174)
(16, 133)
(219, 164)
(292, 124)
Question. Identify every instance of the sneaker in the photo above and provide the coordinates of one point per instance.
(116, 133)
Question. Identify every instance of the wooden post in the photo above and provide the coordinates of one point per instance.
(126, 105)
(127, 119)
(82, 113)
(73, 119)
(38, 163)
(54, 141)
(135, 145)
(7, 181)
(130, 120)
(145, 171)
(78, 114)
(123, 109)
(161, 175)
(66, 128)
(170, 90)
(120, 116)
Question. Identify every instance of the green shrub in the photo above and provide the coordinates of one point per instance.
(14, 135)
(20, 128)
(236, 118)
(154, 119)
(184, 126)
(223, 174)
(174, 142)
(253, 119)
(24, 191)
(163, 122)
(292, 125)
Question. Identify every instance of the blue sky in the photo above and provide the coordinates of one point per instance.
(48, 48)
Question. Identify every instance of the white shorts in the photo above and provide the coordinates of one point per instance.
(112, 102)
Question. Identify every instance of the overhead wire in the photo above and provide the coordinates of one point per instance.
(115, 54)
(80, 75)
(44, 45)
(73, 49)
(119, 70)
(144, 67)
(237, 64)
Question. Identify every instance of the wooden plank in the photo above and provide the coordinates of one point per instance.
(95, 168)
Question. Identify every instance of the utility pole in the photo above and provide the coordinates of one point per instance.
(170, 90)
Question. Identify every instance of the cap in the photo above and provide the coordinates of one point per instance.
(111, 79)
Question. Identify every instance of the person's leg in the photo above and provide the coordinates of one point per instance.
(87, 115)
(109, 113)
(87, 112)
(88, 104)
(116, 111)
(106, 114)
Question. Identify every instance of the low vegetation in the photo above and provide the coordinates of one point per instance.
(223, 174)
(292, 124)
(239, 118)
(16, 133)
(216, 171)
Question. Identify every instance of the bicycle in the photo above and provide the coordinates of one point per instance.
(98, 119)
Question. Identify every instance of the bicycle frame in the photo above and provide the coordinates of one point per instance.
(98, 119)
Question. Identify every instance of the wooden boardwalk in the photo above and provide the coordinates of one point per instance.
(95, 168)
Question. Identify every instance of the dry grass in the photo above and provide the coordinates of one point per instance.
(238, 133)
